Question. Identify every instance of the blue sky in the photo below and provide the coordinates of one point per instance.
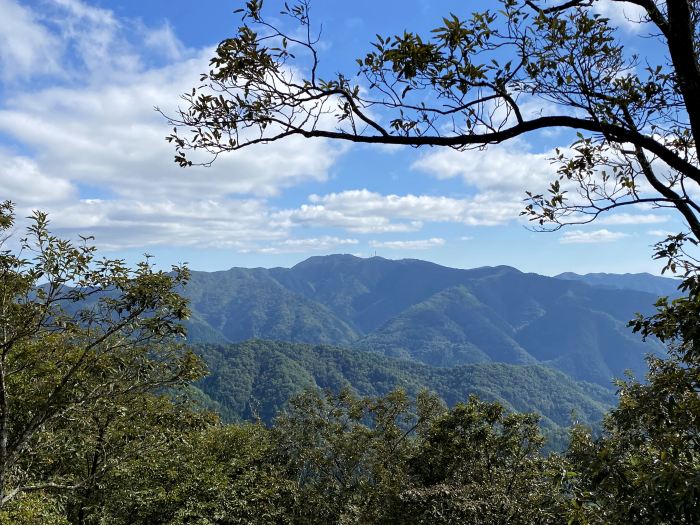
(79, 138)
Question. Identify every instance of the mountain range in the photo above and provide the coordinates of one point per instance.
(431, 314)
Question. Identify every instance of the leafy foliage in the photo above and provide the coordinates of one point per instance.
(479, 464)
(646, 466)
(219, 474)
(84, 343)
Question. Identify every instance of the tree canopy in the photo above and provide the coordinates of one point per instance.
(86, 344)
(471, 83)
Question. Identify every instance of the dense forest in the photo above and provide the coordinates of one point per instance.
(255, 379)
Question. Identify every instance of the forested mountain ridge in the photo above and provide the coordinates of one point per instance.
(426, 312)
(241, 304)
(257, 378)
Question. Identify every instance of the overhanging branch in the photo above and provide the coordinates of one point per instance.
(613, 132)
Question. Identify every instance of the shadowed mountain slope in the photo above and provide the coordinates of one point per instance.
(241, 304)
(450, 328)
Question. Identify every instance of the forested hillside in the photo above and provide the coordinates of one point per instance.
(428, 313)
(257, 378)
(242, 303)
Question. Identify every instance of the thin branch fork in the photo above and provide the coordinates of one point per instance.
(36, 488)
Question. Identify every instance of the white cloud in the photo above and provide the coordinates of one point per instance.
(314, 244)
(621, 14)
(109, 135)
(98, 135)
(241, 225)
(505, 171)
(251, 225)
(629, 218)
(27, 48)
(68, 39)
(499, 176)
(508, 168)
(661, 233)
(22, 181)
(363, 211)
(119, 224)
(416, 244)
(94, 35)
(164, 42)
(590, 237)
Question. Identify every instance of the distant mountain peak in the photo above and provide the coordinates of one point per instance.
(331, 257)
(336, 258)
(642, 282)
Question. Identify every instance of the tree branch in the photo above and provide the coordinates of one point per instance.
(34, 488)
(559, 8)
(617, 133)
